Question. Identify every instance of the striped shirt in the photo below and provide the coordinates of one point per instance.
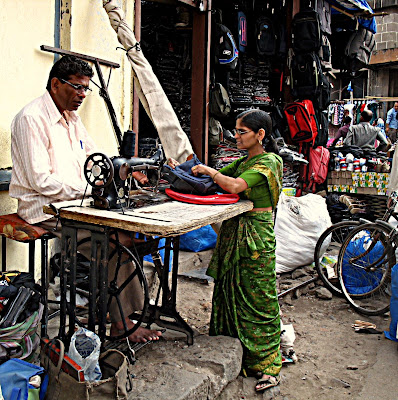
(48, 153)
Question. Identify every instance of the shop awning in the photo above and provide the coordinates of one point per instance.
(355, 8)
(354, 5)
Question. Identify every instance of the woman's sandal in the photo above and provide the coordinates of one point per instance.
(267, 383)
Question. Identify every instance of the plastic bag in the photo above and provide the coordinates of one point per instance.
(198, 240)
(84, 349)
(299, 223)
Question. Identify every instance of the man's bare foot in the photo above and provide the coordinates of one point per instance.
(140, 335)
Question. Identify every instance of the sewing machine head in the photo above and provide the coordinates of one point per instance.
(112, 179)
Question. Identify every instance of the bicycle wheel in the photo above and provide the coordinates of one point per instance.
(364, 268)
(327, 251)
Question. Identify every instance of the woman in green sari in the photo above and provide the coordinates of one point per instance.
(245, 300)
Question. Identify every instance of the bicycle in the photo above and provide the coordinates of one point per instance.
(331, 241)
(364, 266)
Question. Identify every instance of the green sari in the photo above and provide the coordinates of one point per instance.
(245, 299)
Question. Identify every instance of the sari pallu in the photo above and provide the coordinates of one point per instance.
(245, 300)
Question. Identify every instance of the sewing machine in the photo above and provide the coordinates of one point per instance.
(114, 179)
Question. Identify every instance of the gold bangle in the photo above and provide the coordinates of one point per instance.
(215, 176)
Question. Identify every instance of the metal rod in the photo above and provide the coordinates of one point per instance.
(297, 287)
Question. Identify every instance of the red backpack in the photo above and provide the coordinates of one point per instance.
(300, 117)
(318, 166)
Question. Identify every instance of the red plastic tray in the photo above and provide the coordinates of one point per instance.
(210, 199)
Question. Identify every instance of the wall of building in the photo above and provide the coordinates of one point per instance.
(387, 30)
(75, 25)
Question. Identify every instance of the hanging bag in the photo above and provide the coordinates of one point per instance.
(266, 38)
(306, 31)
(220, 104)
(318, 166)
(359, 48)
(115, 383)
(225, 51)
(301, 121)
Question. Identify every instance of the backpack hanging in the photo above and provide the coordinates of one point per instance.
(323, 129)
(359, 48)
(266, 38)
(324, 10)
(325, 54)
(304, 71)
(242, 31)
(225, 50)
(301, 121)
(306, 31)
(220, 104)
(318, 166)
(322, 101)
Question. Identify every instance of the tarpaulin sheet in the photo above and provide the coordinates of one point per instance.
(357, 6)
(174, 140)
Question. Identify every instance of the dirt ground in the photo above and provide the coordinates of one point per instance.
(333, 359)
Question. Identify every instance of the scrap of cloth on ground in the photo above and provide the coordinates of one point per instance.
(245, 299)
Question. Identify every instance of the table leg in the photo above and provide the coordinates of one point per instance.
(68, 273)
(161, 315)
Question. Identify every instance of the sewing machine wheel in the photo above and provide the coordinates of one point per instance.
(98, 170)
(118, 283)
(127, 271)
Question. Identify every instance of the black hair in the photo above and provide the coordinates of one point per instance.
(346, 120)
(67, 66)
(255, 119)
(366, 115)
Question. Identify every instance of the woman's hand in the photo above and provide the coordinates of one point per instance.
(229, 184)
(202, 169)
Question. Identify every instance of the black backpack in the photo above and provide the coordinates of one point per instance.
(266, 37)
(306, 31)
(323, 100)
(323, 129)
(225, 50)
(305, 70)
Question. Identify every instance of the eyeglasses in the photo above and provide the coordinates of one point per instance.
(240, 131)
(79, 88)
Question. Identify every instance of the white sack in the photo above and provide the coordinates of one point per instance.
(299, 223)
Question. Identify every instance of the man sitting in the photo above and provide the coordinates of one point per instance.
(49, 147)
(364, 134)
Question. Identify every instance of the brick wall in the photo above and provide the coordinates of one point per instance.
(387, 28)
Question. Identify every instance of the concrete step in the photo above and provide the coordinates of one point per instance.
(170, 369)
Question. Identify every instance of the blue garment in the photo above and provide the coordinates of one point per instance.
(391, 119)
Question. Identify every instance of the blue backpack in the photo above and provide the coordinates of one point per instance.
(182, 179)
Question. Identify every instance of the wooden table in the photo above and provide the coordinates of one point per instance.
(169, 219)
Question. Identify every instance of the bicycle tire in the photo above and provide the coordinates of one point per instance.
(329, 244)
(367, 288)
